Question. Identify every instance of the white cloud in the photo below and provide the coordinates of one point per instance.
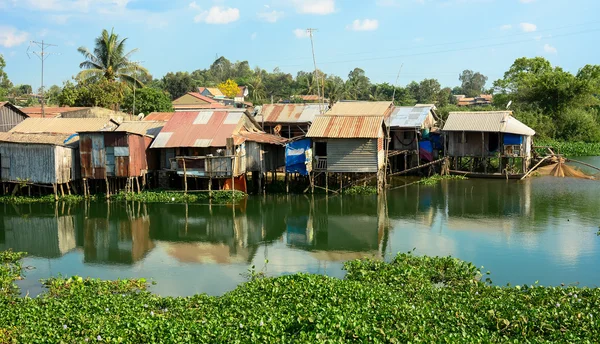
(60, 19)
(526, 1)
(550, 49)
(193, 5)
(506, 27)
(364, 25)
(11, 37)
(528, 27)
(314, 6)
(218, 15)
(253, 36)
(271, 17)
(301, 33)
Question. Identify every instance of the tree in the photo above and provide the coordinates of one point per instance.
(334, 88)
(51, 96)
(473, 83)
(147, 100)
(358, 84)
(178, 84)
(110, 61)
(229, 88)
(69, 94)
(5, 84)
(428, 91)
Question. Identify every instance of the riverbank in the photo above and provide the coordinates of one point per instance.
(570, 149)
(417, 299)
(220, 197)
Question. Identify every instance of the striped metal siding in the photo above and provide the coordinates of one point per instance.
(32, 162)
(352, 155)
(9, 118)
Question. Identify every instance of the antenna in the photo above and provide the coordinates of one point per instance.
(312, 44)
(42, 55)
(135, 81)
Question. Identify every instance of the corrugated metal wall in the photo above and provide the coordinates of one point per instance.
(32, 162)
(474, 146)
(352, 155)
(9, 118)
(65, 164)
(138, 161)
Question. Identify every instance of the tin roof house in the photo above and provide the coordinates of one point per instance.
(475, 139)
(10, 116)
(349, 138)
(194, 101)
(119, 154)
(220, 143)
(288, 120)
(45, 151)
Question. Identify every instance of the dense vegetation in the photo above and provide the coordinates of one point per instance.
(412, 299)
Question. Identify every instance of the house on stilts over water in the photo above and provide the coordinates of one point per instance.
(216, 146)
(348, 142)
(413, 135)
(488, 144)
(119, 157)
(44, 152)
(288, 120)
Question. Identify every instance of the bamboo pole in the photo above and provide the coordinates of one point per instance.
(583, 163)
(534, 167)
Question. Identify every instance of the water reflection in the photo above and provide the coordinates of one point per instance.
(542, 229)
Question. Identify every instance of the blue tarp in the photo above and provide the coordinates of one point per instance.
(295, 157)
(512, 139)
(426, 150)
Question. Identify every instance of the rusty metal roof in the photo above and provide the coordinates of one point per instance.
(158, 116)
(360, 108)
(201, 97)
(326, 126)
(206, 128)
(62, 125)
(290, 113)
(53, 111)
(486, 121)
(145, 128)
(44, 139)
(260, 137)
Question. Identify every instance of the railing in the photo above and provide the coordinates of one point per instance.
(321, 164)
(209, 166)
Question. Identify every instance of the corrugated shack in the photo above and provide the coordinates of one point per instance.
(288, 120)
(491, 141)
(44, 151)
(349, 138)
(119, 155)
(10, 116)
(410, 129)
(218, 144)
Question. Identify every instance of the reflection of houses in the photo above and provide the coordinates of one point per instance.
(474, 139)
(117, 239)
(10, 116)
(288, 120)
(407, 126)
(40, 236)
(199, 234)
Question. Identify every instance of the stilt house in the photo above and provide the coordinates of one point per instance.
(350, 137)
(45, 151)
(476, 139)
(220, 143)
(288, 120)
(121, 154)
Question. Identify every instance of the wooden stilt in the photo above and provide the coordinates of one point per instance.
(287, 183)
(68, 189)
(210, 187)
(185, 178)
(137, 182)
(62, 191)
(15, 189)
(107, 188)
(326, 183)
(29, 190)
(55, 192)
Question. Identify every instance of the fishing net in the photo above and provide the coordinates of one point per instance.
(558, 168)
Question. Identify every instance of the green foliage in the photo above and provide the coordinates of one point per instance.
(178, 84)
(229, 88)
(10, 270)
(219, 196)
(5, 83)
(571, 149)
(147, 100)
(42, 199)
(101, 93)
(361, 190)
(472, 83)
(436, 178)
(411, 299)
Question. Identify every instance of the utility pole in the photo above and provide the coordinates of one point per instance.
(135, 65)
(316, 77)
(43, 55)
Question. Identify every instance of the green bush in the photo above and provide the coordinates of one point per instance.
(572, 149)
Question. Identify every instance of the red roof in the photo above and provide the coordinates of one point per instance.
(199, 129)
(201, 97)
(241, 91)
(159, 116)
(36, 112)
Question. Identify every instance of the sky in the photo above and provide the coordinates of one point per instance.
(416, 39)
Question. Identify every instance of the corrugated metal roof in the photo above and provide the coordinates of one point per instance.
(146, 128)
(179, 107)
(409, 116)
(50, 112)
(158, 116)
(261, 137)
(198, 129)
(290, 113)
(486, 121)
(45, 139)
(201, 97)
(361, 108)
(14, 108)
(346, 127)
(62, 125)
(215, 91)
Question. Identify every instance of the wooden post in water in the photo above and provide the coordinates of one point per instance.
(107, 188)
(232, 178)
(326, 183)
(185, 186)
(55, 192)
(137, 182)
(287, 183)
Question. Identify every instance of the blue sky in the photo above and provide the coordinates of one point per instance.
(429, 38)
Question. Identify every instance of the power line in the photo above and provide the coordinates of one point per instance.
(42, 55)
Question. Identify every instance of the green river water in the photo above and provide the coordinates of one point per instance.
(542, 229)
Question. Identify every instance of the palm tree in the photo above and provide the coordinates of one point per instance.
(110, 61)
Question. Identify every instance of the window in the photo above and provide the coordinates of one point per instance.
(321, 149)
